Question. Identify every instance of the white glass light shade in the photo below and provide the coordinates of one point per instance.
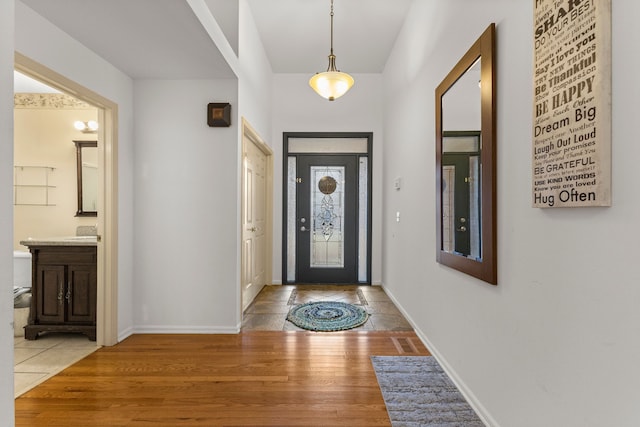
(331, 84)
(86, 127)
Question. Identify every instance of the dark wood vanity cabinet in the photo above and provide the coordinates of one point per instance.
(63, 290)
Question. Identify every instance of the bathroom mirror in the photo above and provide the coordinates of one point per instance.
(87, 169)
(465, 163)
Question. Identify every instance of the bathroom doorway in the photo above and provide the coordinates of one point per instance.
(106, 219)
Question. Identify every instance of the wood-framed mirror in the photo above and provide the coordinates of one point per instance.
(87, 170)
(465, 163)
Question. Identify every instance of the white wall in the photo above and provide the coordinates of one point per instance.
(185, 208)
(556, 343)
(42, 42)
(254, 84)
(297, 108)
(254, 101)
(6, 210)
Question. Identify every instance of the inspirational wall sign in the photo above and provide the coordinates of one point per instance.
(572, 103)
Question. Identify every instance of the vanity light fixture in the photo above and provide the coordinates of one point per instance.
(333, 83)
(86, 127)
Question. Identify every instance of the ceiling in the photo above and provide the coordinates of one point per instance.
(296, 33)
(163, 39)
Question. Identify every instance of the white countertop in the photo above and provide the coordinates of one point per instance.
(61, 241)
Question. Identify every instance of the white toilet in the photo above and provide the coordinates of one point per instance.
(21, 290)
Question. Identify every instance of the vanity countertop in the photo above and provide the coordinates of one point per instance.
(61, 241)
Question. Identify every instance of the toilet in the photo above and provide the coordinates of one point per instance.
(21, 291)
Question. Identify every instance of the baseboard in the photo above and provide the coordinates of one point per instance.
(160, 329)
(125, 334)
(473, 401)
(279, 282)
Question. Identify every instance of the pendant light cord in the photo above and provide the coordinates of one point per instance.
(331, 14)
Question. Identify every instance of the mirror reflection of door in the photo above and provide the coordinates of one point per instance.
(461, 193)
(461, 202)
(327, 194)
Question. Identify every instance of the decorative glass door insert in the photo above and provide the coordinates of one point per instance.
(327, 216)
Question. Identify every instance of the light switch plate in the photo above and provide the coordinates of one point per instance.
(397, 183)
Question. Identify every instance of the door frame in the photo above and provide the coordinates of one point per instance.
(107, 247)
(285, 188)
(250, 136)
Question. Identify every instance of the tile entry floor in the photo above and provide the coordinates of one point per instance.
(269, 310)
(38, 360)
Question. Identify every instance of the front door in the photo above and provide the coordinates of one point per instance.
(326, 219)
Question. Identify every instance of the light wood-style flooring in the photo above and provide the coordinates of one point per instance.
(255, 378)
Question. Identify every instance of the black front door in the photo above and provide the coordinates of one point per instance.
(326, 219)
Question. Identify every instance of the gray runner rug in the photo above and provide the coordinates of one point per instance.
(417, 392)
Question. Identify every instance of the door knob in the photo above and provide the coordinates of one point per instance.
(303, 228)
(463, 228)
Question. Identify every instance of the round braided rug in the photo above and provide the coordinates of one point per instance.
(327, 316)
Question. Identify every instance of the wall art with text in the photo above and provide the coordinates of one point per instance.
(572, 103)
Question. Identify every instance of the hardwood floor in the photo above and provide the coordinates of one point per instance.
(255, 378)
(275, 377)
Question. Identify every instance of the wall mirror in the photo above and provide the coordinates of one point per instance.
(465, 163)
(87, 169)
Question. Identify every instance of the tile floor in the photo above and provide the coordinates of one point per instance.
(269, 310)
(38, 360)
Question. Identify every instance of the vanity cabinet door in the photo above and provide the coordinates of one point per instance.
(81, 294)
(64, 290)
(50, 292)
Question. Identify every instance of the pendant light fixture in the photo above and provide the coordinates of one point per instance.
(333, 83)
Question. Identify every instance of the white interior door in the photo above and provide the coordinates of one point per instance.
(254, 222)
